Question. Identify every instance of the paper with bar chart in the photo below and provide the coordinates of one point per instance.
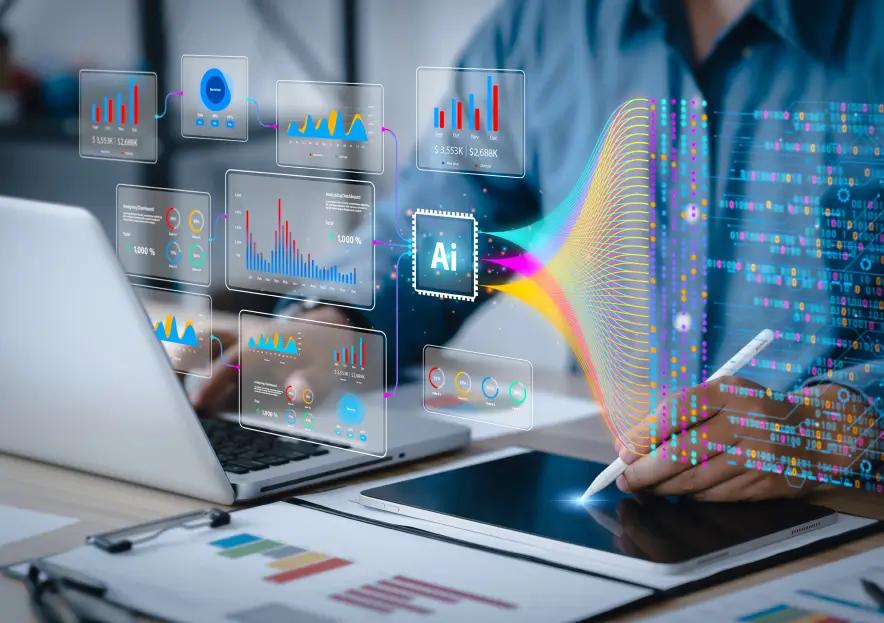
(311, 380)
(117, 115)
(829, 593)
(164, 234)
(330, 125)
(301, 237)
(283, 562)
(182, 322)
(471, 121)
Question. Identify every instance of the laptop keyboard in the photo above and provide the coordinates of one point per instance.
(241, 451)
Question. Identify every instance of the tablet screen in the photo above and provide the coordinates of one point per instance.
(537, 493)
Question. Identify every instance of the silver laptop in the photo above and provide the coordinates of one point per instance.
(85, 383)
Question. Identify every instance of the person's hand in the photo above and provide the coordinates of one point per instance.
(727, 445)
(219, 392)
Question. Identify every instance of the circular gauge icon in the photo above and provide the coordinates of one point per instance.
(490, 387)
(173, 218)
(196, 221)
(290, 393)
(351, 411)
(436, 377)
(307, 396)
(463, 383)
(197, 255)
(215, 90)
(291, 417)
(173, 252)
(518, 393)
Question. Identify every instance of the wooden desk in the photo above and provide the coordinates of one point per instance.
(103, 504)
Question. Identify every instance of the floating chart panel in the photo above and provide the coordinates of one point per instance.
(329, 125)
(301, 237)
(478, 386)
(117, 115)
(164, 234)
(214, 101)
(315, 381)
(477, 126)
(182, 322)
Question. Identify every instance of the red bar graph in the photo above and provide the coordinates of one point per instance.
(441, 118)
(459, 115)
(303, 572)
(110, 110)
(478, 120)
(135, 104)
(123, 114)
(494, 107)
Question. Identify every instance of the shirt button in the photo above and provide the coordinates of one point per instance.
(747, 52)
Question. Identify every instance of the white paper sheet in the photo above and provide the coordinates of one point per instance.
(343, 499)
(833, 590)
(380, 574)
(18, 524)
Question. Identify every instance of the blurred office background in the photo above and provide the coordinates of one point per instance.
(44, 43)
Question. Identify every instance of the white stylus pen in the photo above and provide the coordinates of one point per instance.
(750, 350)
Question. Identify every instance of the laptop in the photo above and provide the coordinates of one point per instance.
(86, 384)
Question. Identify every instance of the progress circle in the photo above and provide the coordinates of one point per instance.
(490, 388)
(463, 383)
(518, 393)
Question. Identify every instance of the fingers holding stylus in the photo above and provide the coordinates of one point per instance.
(700, 414)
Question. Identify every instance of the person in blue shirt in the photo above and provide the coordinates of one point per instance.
(582, 60)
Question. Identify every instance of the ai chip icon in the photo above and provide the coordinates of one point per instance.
(444, 254)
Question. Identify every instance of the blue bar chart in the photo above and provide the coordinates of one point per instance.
(301, 237)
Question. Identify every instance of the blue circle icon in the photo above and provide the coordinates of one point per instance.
(351, 411)
(490, 388)
(214, 90)
(173, 252)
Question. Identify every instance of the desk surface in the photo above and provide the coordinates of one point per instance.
(103, 504)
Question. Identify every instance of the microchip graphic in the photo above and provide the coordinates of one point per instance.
(444, 255)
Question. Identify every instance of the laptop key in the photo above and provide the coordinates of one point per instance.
(234, 467)
(277, 460)
(253, 465)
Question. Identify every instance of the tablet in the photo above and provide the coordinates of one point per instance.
(533, 498)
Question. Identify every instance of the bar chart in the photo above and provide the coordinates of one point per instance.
(354, 355)
(315, 381)
(117, 115)
(118, 109)
(407, 594)
(285, 563)
(474, 113)
(286, 258)
(301, 237)
(477, 126)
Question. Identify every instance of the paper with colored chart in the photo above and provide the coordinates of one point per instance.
(832, 593)
(289, 563)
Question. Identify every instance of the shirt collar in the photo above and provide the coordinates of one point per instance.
(814, 30)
